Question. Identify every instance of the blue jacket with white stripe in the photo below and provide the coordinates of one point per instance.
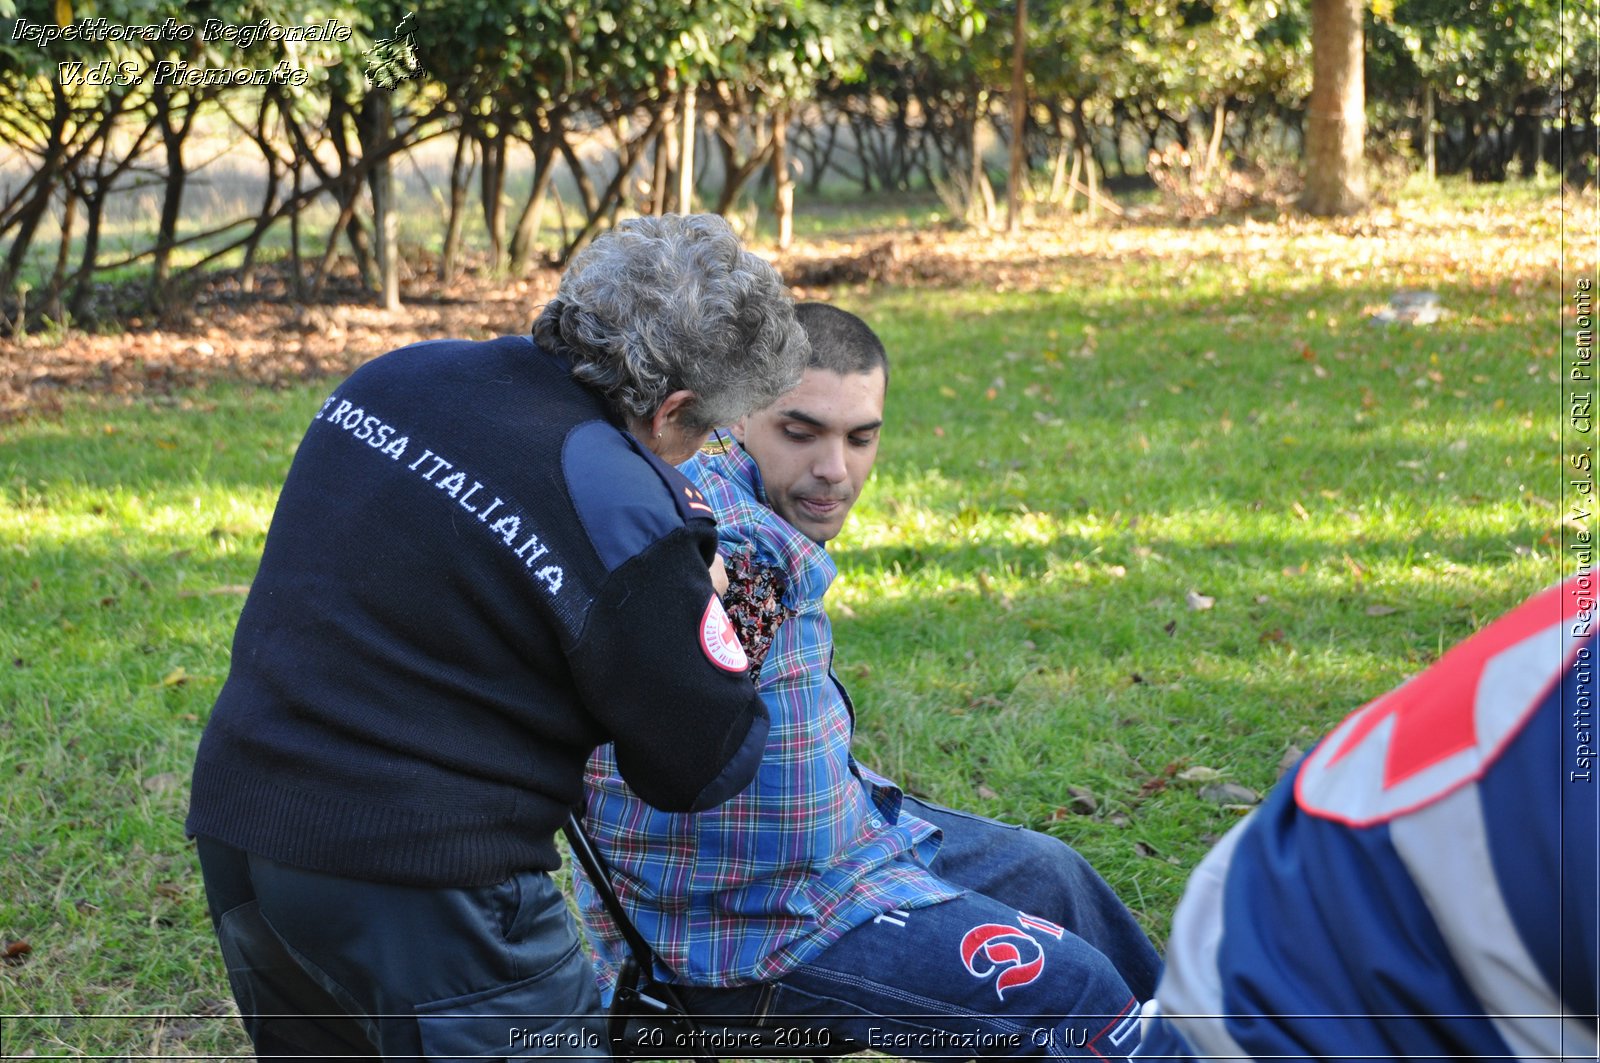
(1427, 886)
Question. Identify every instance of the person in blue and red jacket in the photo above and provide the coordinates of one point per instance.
(481, 567)
(1424, 886)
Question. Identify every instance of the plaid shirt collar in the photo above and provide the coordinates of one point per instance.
(731, 481)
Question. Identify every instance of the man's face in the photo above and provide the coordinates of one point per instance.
(815, 447)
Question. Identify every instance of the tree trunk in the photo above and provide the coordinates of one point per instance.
(58, 277)
(737, 174)
(1430, 150)
(528, 225)
(385, 220)
(492, 185)
(33, 212)
(493, 181)
(782, 184)
(1336, 116)
(346, 224)
(247, 274)
(1090, 161)
(628, 155)
(580, 178)
(79, 302)
(661, 169)
(360, 246)
(820, 159)
(980, 202)
(297, 286)
(460, 176)
(686, 143)
(1219, 122)
(172, 137)
(1019, 117)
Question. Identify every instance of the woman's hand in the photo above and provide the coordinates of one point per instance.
(719, 576)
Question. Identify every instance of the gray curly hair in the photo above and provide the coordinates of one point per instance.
(664, 303)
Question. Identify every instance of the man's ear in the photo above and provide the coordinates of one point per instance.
(670, 409)
(736, 429)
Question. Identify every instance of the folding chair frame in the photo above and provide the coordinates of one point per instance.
(647, 1019)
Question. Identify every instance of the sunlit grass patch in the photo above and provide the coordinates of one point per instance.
(1168, 499)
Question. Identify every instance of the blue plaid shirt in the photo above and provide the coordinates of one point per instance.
(815, 846)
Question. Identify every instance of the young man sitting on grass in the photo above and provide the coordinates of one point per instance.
(823, 893)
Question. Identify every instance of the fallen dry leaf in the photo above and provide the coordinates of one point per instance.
(1291, 757)
(1229, 793)
(161, 783)
(1199, 602)
(1083, 801)
(1381, 610)
(240, 589)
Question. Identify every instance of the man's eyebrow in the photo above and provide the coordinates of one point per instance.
(815, 422)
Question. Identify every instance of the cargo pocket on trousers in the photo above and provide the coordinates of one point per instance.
(553, 1014)
(278, 997)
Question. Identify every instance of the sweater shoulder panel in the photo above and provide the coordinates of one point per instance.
(625, 505)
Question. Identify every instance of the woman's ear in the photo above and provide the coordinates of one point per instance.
(671, 409)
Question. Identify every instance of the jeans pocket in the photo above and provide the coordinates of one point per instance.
(281, 1001)
(555, 1013)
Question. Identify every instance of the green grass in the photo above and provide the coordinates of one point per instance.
(1202, 409)
(122, 534)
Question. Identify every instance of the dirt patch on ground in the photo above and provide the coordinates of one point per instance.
(267, 339)
(263, 339)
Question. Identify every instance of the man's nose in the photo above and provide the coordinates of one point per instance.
(828, 464)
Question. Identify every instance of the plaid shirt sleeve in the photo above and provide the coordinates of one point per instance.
(815, 846)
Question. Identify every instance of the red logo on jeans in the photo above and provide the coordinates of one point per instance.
(995, 947)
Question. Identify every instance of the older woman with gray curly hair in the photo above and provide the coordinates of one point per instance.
(674, 322)
(481, 567)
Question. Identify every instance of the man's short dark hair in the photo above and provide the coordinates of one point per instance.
(840, 342)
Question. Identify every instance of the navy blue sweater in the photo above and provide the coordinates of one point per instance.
(473, 577)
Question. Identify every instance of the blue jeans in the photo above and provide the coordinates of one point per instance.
(326, 967)
(1039, 959)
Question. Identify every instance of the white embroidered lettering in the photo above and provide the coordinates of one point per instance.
(538, 550)
(507, 528)
(379, 435)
